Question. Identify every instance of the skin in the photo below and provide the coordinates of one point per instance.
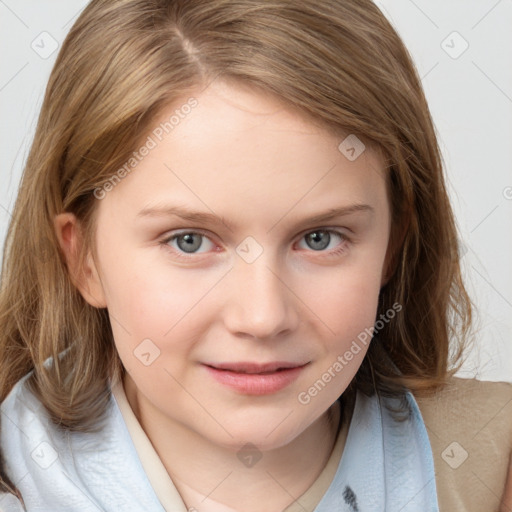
(262, 167)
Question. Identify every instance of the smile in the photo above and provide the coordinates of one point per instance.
(254, 379)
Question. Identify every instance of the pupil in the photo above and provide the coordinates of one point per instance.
(316, 239)
(190, 245)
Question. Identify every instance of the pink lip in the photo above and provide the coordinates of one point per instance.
(254, 378)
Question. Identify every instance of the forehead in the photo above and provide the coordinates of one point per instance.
(244, 147)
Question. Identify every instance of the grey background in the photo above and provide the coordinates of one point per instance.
(469, 92)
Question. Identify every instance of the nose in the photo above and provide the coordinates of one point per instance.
(261, 303)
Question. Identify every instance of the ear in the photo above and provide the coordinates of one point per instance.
(86, 279)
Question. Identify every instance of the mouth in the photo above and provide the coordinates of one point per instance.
(256, 368)
(255, 378)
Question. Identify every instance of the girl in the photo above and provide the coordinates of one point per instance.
(231, 280)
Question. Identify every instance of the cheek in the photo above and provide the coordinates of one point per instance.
(345, 298)
(149, 297)
(167, 306)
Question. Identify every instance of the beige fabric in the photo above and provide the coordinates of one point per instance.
(165, 489)
(472, 419)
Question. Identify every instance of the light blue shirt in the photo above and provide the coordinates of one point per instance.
(386, 465)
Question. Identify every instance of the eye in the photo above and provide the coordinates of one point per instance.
(321, 239)
(188, 242)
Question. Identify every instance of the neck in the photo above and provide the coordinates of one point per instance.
(212, 478)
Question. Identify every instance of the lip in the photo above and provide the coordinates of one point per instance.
(255, 378)
(251, 367)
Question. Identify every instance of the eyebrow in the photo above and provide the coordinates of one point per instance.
(211, 218)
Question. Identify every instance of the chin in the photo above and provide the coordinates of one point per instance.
(248, 441)
(266, 432)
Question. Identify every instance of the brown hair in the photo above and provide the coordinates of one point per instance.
(339, 63)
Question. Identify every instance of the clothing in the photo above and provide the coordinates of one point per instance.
(168, 495)
(76, 469)
(75, 472)
(473, 419)
(337, 499)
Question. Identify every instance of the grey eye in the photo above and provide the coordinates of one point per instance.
(189, 242)
(318, 240)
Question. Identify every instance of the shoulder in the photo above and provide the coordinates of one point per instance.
(20, 408)
(27, 431)
(470, 405)
(472, 388)
(9, 503)
(36, 451)
(17, 410)
(469, 424)
(62, 470)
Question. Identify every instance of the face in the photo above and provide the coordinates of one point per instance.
(243, 240)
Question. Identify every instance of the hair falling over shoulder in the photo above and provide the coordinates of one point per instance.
(339, 63)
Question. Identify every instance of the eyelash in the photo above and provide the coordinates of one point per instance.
(187, 256)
